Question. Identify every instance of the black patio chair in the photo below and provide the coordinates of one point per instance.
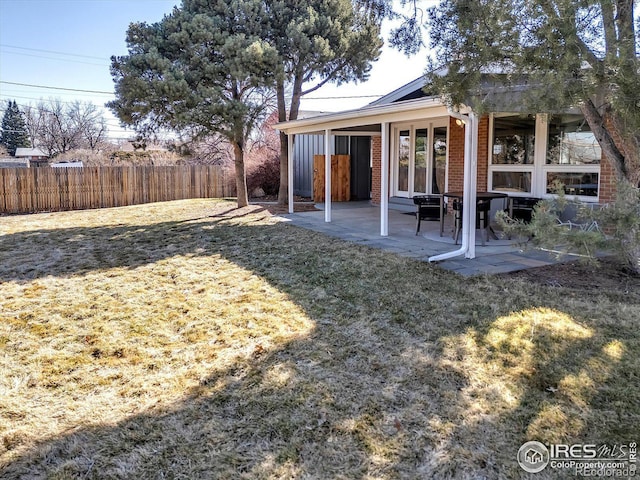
(483, 207)
(483, 221)
(521, 208)
(428, 208)
(457, 218)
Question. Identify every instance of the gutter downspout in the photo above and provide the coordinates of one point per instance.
(473, 187)
(468, 226)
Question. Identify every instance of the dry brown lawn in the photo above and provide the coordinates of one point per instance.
(193, 340)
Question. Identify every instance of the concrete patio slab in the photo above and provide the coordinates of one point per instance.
(359, 222)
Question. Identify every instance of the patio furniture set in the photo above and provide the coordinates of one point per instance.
(434, 208)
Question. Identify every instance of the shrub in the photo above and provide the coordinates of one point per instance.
(263, 171)
(113, 157)
(147, 157)
(613, 227)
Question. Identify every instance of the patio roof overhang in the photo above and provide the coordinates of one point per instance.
(368, 118)
(376, 120)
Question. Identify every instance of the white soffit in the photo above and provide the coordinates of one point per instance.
(423, 108)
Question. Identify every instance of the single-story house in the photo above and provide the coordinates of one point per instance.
(307, 146)
(35, 156)
(420, 146)
(11, 162)
(73, 164)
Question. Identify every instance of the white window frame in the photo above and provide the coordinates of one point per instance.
(395, 160)
(539, 168)
(530, 168)
(546, 168)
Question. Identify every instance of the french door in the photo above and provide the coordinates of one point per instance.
(420, 158)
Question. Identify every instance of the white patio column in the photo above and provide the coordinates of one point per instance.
(470, 187)
(384, 181)
(327, 175)
(291, 156)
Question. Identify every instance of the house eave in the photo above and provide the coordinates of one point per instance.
(398, 93)
(369, 115)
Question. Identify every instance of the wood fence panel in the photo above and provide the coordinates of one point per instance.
(340, 178)
(11, 198)
(28, 190)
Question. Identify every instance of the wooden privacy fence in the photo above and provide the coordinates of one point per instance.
(340, 178)
(27, 190)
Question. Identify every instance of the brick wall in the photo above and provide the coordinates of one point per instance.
(376, 163)
(456, 156)
(456, 163)
(483, 153)
(607, 191)
(607, 181)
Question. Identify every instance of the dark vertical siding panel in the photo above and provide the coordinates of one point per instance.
(342, 145)
(360, 167)
(306, 146)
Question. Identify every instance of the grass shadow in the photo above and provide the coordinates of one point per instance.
(67, 251)
(406, 371)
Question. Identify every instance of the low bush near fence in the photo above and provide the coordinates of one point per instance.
(265, 174)
(28, 190)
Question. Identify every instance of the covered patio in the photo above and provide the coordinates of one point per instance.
(377, 121)
(359, 222)
(419, 147)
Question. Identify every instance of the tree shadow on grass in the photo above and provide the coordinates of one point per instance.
(408, 372)
(63, 252)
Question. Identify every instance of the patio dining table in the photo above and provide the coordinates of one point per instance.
(480, 196)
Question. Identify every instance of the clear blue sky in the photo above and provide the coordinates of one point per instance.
(68, 43)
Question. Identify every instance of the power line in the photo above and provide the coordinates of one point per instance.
(56, 88)
(9, 97)
(111, 93)
(51, 51)
(103, 65)
(17, 94)
(107, 123)
(10, 130)
(340, 98)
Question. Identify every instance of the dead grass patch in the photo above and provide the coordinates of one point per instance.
(194, 340)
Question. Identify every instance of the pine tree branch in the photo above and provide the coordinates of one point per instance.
(327, 79)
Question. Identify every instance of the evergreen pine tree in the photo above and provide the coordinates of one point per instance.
(14, 130)
(196, 71)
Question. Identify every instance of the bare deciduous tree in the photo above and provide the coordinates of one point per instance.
(90, 123)
(212, 150)
(57, 127)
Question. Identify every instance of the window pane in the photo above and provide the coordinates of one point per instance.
(511, 181)
(574, 183)
(403, 160)
(571, 142)
(513, 139)
(439, 159)
(420, 168)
